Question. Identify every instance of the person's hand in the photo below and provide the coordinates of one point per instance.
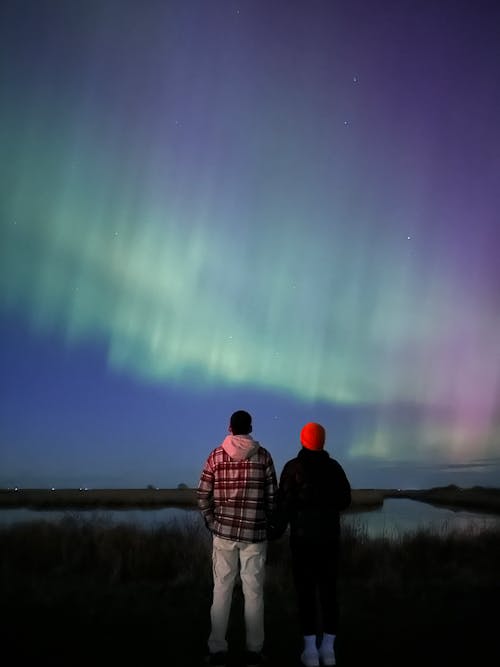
(273, 532)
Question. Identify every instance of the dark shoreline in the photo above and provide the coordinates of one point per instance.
(478, 498)
(363, 499)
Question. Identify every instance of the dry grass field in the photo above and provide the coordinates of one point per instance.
(86, 593)
(150, 497)
(105, 498)
(475, 498)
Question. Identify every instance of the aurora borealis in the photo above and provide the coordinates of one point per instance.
(286, 207)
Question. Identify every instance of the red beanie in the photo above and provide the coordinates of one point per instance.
(312, 436)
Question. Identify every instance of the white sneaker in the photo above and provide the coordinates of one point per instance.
(310, 658)
(327, 657)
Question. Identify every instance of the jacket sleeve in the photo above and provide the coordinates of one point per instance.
(270, 489)
(342, 488)
(281, 515)
(205, 493)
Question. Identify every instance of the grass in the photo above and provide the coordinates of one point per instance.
(97, 498)
(85, 592)
(127, 498)
(363, 499)
(476, 498)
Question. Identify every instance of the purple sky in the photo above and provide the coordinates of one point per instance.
(285, 207)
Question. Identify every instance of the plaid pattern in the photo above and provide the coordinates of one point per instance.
(236, 498)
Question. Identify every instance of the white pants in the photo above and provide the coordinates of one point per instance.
(249, 559)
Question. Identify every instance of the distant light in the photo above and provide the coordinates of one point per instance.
(15, 488)
(408, 237)
(52, 489)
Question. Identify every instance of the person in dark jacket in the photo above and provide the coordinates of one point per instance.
(313, 490)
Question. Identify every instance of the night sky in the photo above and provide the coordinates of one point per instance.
(287, 207)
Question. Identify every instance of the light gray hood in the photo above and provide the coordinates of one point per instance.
(240, 447)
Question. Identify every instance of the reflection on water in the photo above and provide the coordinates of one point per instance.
(400, 515)
(397, 517)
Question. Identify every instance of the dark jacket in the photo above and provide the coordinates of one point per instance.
(313, 490)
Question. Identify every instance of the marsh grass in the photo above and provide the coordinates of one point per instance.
(150, 497)
(81, 591)
(97, 498)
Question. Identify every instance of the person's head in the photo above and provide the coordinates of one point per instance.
(312, 436)
(240, 423)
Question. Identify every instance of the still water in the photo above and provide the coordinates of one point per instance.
(397, 517)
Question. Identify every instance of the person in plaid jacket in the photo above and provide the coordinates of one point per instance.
(236, 495)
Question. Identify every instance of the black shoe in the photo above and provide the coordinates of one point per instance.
(218, 659)
(254, 659)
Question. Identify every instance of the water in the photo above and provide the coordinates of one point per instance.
(397, 517)
(400, 516)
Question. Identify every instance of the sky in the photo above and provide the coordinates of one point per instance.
(288, 207)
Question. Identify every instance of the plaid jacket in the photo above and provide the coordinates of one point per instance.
(237, 497)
